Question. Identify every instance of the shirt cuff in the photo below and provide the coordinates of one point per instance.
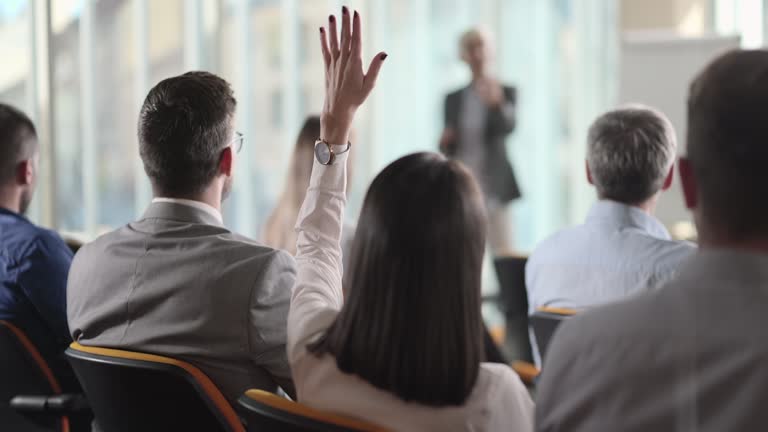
(330, 177)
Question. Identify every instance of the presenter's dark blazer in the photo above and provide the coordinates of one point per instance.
(498, 178)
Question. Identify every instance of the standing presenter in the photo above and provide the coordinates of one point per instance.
(478, 119)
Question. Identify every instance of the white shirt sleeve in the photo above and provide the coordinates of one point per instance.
(516, 403)
(317, 295)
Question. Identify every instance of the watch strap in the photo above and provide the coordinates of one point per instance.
(338, 149)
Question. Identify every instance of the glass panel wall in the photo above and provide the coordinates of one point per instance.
(106, 55)
(70, 172)
(15, 34)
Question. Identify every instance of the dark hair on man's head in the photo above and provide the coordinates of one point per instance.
(728, 143)
(411, 322)
(18, 140)
(184, 124)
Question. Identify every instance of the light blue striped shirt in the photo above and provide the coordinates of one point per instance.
(620, 250)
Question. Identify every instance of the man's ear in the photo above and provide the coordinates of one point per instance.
(25, 172)
(690, 188)
(670, 177)
(589, 172)
(225, 162)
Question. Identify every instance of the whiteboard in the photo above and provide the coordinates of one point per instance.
(656, 70)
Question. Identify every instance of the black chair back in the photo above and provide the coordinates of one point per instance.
(544, 323)
(23, 371)
(131, 391)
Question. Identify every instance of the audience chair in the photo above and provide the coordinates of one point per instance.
(527, 371)
(544, 322)
(30, 395)
(513, 302)
(264, 411)
(132, 391)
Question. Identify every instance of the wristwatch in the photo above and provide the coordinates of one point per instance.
(326, 153)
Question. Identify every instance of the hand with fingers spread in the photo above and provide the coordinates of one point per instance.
(346, 84)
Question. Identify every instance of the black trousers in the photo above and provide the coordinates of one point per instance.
(492, 352)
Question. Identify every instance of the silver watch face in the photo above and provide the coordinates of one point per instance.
(323, 153)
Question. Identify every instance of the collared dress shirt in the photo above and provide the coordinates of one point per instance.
(620, 250)
(499, 400)
(207, 208)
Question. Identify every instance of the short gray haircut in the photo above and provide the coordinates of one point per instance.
(630, 151)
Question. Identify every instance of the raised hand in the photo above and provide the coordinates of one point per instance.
(346, 85)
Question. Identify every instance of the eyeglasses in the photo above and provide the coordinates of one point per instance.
(237, 141)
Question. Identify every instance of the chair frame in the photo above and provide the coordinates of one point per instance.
(274, 407)
(42, 366)
(35, 354)
(527, 371)
(206, 389)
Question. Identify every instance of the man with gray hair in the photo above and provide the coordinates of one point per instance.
(690, 356)
(621, 249)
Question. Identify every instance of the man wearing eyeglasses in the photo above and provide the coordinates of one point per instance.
(176, 282)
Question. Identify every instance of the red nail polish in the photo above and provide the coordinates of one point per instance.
(356, 14)
(331, 18)
(384, 56)
(344, 10)
(322, 30)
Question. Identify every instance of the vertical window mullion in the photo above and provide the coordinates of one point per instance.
(142, 189)
(88, 114)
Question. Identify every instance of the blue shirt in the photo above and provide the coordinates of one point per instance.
(620, 250)
(34, 263)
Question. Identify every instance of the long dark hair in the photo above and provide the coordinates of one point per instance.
(411, 322)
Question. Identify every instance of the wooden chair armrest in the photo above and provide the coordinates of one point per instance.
(527, 371)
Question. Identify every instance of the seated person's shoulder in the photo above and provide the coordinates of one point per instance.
(249, 248)
(644, 316)
(497, 373)
(252, 260)
(555, 243)
(37, 239)
(99, 244)
(500, 379)
(504, 388)
(677, 250)
(663, 258)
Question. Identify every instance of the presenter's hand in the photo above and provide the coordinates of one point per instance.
(490, 91)
(346, 84)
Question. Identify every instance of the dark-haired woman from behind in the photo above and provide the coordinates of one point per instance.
(280, 232)
(399, 342)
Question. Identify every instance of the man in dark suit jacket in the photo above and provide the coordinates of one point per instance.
(478, 119)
